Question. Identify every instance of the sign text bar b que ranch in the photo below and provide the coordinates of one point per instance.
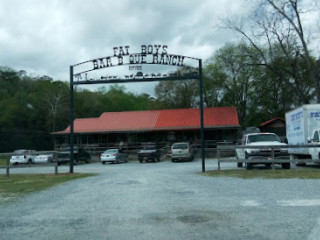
(149, 54)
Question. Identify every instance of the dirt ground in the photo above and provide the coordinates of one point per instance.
(164, 201)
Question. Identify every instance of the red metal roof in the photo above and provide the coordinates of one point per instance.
(126, 121)
(272, 120)
(173, 119)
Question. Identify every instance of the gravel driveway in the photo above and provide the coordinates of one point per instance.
(165, 201)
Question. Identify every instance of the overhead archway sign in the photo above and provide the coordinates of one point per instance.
(101, 70)
(148, 55)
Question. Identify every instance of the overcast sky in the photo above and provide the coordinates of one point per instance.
(46, 37)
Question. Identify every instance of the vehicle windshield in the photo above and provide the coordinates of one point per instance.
(180, 146)
(68, 149)
(45, 155)
(20, 151)
(111, 151)
(263, 138)
(149, 147)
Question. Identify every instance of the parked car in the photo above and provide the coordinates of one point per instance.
(44, 158)
(113, 156)
(23, 156)
(149, 153)
(262, 139)
(79, 154)
(181, 151)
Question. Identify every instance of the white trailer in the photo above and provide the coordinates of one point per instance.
(303, 126)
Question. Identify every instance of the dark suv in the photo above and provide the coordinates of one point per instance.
(149, 153)
(79, 154)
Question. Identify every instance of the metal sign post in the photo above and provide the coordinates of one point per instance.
(201, 117)
(149, 55)
(71, 120)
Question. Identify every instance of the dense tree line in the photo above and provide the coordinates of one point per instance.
(34, 107)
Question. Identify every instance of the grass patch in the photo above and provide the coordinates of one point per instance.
(3, 161)
(300, 173)
(18, 185)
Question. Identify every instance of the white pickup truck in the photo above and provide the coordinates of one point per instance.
(23, 156)
(262, 139)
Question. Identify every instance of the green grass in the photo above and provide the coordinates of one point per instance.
(18, 185)
(298, 173)
(3, 161)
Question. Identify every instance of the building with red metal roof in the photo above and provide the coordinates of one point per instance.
(220, 124)
(276, 125)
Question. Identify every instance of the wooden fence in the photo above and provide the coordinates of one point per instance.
(8, 166)
(271, 160)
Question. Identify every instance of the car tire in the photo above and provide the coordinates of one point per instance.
(301, 164)
(268, 165)
(240, 164)
(286, 165)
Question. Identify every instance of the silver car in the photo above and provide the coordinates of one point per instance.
(44, 158)
(113, 156)
(181, 151)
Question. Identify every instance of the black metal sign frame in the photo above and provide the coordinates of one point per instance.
(151, 55)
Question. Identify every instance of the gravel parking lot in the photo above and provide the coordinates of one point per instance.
(164, 201)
